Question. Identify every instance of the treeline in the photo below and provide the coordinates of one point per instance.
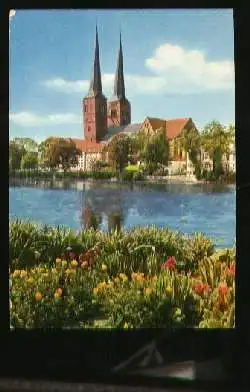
(122, 150)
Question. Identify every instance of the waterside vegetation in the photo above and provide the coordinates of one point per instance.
(145, 277)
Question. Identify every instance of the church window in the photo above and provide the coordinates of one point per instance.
(113, 113)
(89, 129)
(85, 108)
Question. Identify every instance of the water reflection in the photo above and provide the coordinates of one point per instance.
(107, 206)
(106, 203)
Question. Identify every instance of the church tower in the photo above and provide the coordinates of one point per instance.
(119, 110)
(95, 103)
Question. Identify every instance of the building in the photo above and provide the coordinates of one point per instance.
(103, 118)
(228, 160)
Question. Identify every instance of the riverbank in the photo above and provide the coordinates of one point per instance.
(111, 177)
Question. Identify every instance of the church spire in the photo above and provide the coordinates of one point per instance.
(96, 81)
(119, 86)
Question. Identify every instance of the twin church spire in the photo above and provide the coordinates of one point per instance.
(95, 87)
(100, 115)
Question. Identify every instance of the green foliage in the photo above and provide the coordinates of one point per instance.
(118, 279)
(55, 297)
(56, 152)
(156, 149)
(118, 150)
(142, 249)
(132, 168)
(16, 153)
(29, 160)
(144, 303)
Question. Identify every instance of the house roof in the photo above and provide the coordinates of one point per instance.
(156, 123)
(175, 127)
(88, 146)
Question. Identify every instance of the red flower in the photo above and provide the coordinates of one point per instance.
(201, 289)
(170, 263)
(223, 289)
(231, 270)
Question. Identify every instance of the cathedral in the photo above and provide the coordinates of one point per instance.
(103, 118)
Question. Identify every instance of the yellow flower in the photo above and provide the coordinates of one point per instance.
(168, 290)
(64, 263)
(38, 296)
(16, 273)
(59, 291)
(54, 270)
(58, 260)
(70, 271)
(117, 280)
(125, 326)
(123, 277)
(23, 273)
(102, 285)
(56, 295)
(148, 291)
(104, 267)
(74, 263)
(30, 280)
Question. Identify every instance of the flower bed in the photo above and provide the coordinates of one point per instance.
(79, 288)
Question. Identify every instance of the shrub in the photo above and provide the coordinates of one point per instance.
(132, 168)
(147, 302)
(61, 296)
(126, 175)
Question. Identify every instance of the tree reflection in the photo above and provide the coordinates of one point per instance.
(90, 220)
(115, 221)
(103, 201)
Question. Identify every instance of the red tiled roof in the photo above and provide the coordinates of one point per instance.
(156, 123)
(175, 127)
(88, 146)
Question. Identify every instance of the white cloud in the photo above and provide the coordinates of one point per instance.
(29, 119)
(173, 70)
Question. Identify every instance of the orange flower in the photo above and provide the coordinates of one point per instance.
(38, 296)
(59, 291)
(231, 270)
(223, 289)
(148, 291)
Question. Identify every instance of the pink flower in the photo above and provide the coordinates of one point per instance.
(170, 263)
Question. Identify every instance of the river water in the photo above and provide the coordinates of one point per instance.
(188, 208)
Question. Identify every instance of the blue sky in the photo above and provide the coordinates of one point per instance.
(177, 63)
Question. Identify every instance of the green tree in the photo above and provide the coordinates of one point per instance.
(59, 152)
(16, 152)
(27, 143)
(156, 149)
(190, 143)
(118, 151)
(216, 140)
(29, 160)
